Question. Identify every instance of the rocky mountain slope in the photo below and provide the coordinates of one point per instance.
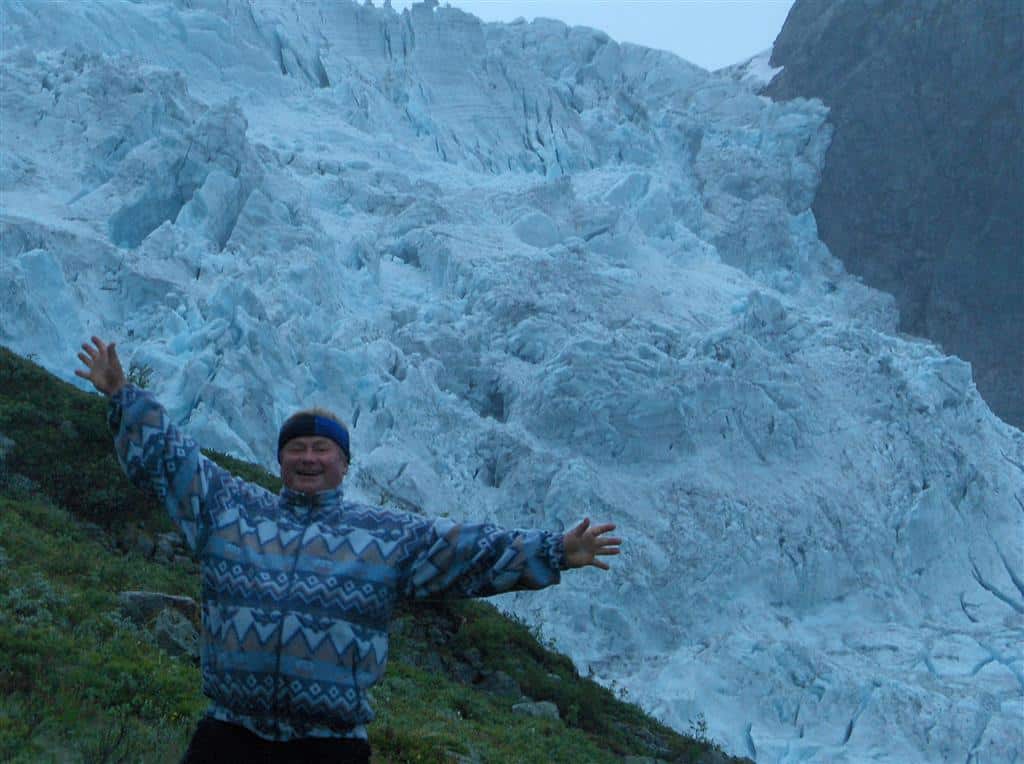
(922, 192)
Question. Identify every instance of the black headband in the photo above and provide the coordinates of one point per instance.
(309, 425)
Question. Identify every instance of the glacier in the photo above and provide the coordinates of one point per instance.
(542, 275)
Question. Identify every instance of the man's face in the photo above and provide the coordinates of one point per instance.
(310, 464)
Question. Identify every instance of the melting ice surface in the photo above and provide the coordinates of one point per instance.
(543, 275)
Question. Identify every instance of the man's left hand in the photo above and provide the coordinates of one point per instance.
(585, 543)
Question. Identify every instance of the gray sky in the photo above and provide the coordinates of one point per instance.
(710, 33)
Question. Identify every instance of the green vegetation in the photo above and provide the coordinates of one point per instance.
(78, 677)
(82, 682)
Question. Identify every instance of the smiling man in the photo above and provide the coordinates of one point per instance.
(299, 587)
(313, 451)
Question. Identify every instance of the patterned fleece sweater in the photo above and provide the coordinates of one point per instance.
(298, 589)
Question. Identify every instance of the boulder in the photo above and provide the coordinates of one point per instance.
(142, 606)
(500, 683)
(168, 546)
(541, 709)
(144, 546)
(175, 634)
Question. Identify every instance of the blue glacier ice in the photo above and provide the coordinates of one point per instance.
(543, 275)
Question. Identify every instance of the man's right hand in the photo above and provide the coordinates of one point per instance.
(102, 366)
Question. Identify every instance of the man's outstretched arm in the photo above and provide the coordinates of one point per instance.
(469, 560)
(155, 455)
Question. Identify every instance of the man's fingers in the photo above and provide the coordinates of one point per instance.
(82, 374)
(601, 565)
(87, 360)
(89, 350)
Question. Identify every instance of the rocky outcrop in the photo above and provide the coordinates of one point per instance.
(174, 620)
(923, 186)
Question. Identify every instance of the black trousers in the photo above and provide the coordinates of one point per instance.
(216, 742)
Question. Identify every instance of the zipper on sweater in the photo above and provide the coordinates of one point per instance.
(280, 629)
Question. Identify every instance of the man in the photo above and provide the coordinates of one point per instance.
(298, 588)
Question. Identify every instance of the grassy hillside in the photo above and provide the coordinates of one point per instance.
(80, 681)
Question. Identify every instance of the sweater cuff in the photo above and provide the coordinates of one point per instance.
(118, 402)
(554, 549)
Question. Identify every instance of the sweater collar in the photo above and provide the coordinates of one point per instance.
(323, 501)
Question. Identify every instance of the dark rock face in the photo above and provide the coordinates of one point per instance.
(923, 188)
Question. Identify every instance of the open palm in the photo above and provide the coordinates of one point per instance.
(585, 543)
(102, 366)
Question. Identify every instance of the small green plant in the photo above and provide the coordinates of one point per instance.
(140, 374)
(15, 484)
(111, 744)
(698, 729)
(33, 602)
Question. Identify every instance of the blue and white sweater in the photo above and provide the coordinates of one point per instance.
(298, 589)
